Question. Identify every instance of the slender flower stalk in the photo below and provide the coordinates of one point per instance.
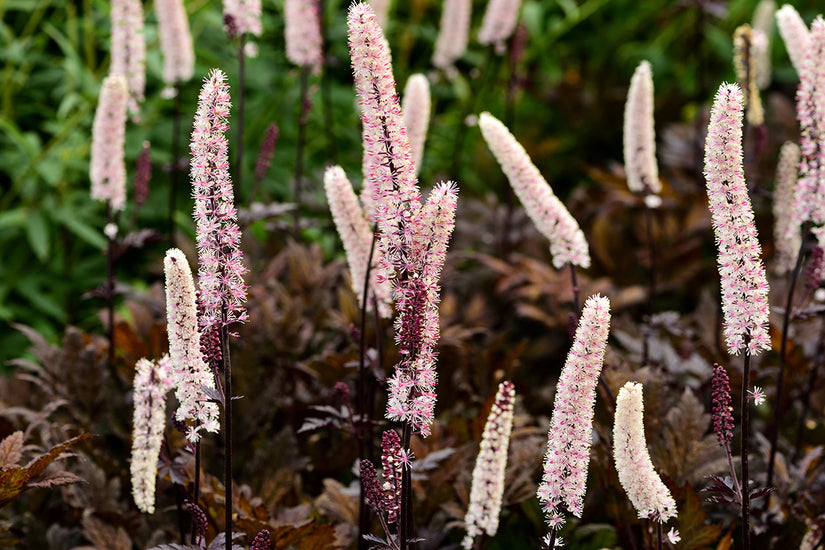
(357, 239)
(245, 16)
(453, 33)
(129, 49)
(794, 33)
(221, 271)
(108, 169)
(787, 234)
(175, 43)
(567, 458)
(640, 137)
(567, 242)
(152, 382)
(743, 280)
(810, 102)
(189, 368)
(416, 112)
(644, 488)
(303, 33)
(499, 22)
(488, 474)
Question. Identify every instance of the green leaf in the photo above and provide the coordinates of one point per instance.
(87, 233)
(37, 232)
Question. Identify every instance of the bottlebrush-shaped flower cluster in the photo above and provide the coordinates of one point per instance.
(743, 280)
(302, 19)
(129, 49)
(189, 368)
(568, 442)
(413, 238)
(152, 381)
(453, 33)
(722, 410)
(567, 242)
(787, 233)
(644, 488)
(385, 497)
(108, 169)
(221, 272)
(794, 33)
(245, 15)
(488, 474)
(175, 42)
(499, 22)
(640, 136)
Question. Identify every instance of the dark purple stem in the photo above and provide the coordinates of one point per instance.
(746, 535)
(299, 149)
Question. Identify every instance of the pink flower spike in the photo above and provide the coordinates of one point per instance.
(189, 369)
(303, 33)
(488, 473)
(357, 239)
(786, 229)
(567, 242)
(640, 135)
(152, 382)
(129, 49)
(453, 33)
(245, 15)
(795, 34)
(416, 111)
(499, 22)
(644, 488)
(568, 441)
(108, 169)
(221, 272)
(175, 43)
(742, 273)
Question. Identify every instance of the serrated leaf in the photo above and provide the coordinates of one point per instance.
(40, 463)
(56, 479)
(11, 450)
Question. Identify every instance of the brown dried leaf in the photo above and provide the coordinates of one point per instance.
(55, 479)
(11, 450)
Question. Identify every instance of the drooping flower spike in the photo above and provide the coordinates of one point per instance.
(742, 273)
(221, 272)
(107, 167)
(567, 242)
(567, 458)
(488, 474)
(152, 382)
(644, 488)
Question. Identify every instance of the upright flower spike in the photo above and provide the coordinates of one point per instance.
(392, 463)
(189, 369)
(567, 243)
(640, 137)
(722, 410)
(221, 271)
(787, 234)
(453, 33)
(809, 202)
(244, 14)
(108, 169)
(794, 33)
(357, 239)
(644, 488)
(129, 49)
(415, 109)
(152, 382)
(499, 22)
(763, 22)
(390, 174)
(568, 441)
(748, 45)
(742, 274)
(175, 43)
(303, 33)
(488, 474)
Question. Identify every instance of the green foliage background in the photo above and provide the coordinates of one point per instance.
(567, 111)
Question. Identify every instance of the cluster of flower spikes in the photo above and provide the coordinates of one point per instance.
(722, 410)
(152, 382)
(643, 486)
(809, 201)
(488, 474)
(413, 238)
(568, 442)
(221, 270)
(385, 498)
(742, 273)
